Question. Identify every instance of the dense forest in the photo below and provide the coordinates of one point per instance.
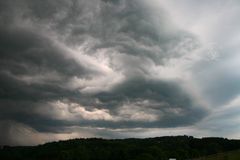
(159, 148)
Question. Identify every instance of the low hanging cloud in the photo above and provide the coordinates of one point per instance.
(94, 64)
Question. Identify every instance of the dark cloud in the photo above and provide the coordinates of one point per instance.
(50, 85)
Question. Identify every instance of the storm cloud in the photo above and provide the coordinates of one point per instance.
(78, 68)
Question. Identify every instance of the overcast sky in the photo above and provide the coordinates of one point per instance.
(118, 69)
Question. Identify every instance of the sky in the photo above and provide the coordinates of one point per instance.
(118, 69)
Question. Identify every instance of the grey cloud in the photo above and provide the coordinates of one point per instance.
(125, 26)
(25, 51)
(168, 94)
(171, 104)
(35, 70)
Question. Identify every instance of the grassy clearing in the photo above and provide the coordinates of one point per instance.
(232, 155)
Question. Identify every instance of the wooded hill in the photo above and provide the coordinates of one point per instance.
(159, 148)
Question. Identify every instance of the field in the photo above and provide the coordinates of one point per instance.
(233, 155)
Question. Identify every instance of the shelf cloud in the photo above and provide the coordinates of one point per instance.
(109, 68)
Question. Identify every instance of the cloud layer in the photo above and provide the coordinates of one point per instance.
(102, 68)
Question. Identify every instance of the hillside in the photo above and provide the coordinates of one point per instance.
(159, 148)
